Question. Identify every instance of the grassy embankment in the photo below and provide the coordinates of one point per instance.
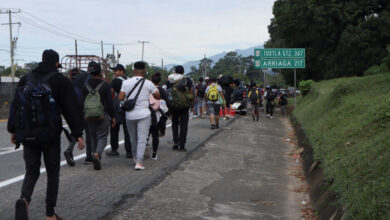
(347, 121)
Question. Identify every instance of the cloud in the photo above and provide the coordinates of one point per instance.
(179, 30)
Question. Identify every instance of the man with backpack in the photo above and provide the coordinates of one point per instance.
(254, 97)
(136, 92)
(181, 98)
(269, 96)
(214, 95)
(200, 92)
(78, 79)
(35, 122)
(282, 101)
(116, 85)
(98, 111)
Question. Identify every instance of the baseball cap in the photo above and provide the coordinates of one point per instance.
(94, 67)
(119, 67)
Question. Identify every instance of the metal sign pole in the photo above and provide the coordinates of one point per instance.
(295, 87)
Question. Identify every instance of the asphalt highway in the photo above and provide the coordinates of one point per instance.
(88, 194)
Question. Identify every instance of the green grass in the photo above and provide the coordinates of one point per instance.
(347, 121)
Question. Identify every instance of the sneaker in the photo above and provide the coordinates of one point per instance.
(217, 126)
(21, 212)
(162, 134)
(182, 149)
(154, 156)
(257, 118)
(112, 153)
(268, 115)
(253, 118)
(271, 117)
(69, 158)
(129, 155)
(88, 160)
(139, 166)
(212, 127)
(97, 165)
(175, 147)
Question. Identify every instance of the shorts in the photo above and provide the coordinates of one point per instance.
(200, 102)
(255, 107)
(214, 108)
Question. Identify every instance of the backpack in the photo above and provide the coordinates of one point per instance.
(180, 95)
(270, 96)
(283, 99)
(34, 113)
(254, 96)
(79, 89)
(93, 107)
(213, 93)
(201, 90)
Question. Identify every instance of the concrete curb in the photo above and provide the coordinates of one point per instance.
(131, 199)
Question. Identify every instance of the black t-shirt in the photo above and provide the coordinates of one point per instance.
(116, 83)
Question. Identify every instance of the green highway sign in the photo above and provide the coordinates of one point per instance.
(280, 53)
(279, 63)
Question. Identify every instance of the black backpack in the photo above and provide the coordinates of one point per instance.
(270, 96)
(202, 90)
(254, 97)
(34, 113)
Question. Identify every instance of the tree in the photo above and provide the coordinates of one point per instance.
(342, 38)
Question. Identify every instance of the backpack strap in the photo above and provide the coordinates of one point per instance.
(135, 86)
(93, 91)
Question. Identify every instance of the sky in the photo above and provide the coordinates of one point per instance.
(178, 30)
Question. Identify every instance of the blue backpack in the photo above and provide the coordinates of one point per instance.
(34, 113)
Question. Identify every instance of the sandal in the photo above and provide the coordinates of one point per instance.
(21, 210)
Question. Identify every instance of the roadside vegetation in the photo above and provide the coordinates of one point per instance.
(347, 121)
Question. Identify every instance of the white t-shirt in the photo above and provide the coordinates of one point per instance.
(141, 109)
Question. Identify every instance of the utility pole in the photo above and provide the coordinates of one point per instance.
(118, 55)
(162, 63)
(11, 41)
(113, 54)
(143, 45)
(77, 60)
(101, 46)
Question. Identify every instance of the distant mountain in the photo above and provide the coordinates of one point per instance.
(244, 52)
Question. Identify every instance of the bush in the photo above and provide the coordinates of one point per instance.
(305, 86)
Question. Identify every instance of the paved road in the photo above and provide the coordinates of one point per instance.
(88, 194)
(241, 173)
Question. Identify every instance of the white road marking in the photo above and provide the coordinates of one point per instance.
(43, 170)
(11, 150)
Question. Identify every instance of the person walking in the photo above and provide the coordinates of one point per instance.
(78, 79)
(254, 97)
(269, 97)
(98, 111)
(200, 92)
(136, 91)
(214, 95)
(159, 109)
(181, 98)
(282, 101)
(116, 85)
(37, 124)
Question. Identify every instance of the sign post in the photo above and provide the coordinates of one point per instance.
(281, 58)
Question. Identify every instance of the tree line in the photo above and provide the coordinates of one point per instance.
(342, 38)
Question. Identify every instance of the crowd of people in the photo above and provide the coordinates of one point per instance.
(91, 105)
